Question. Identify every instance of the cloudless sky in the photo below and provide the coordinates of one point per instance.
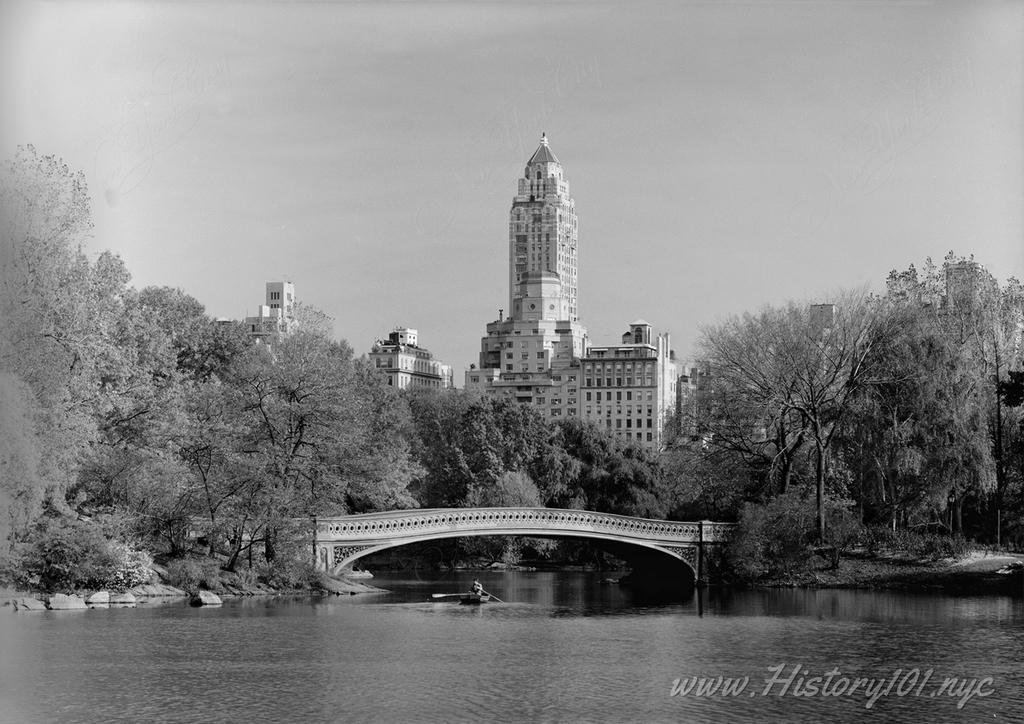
(722, 156)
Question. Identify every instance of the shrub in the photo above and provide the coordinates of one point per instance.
(64, 554)
(773, 538)
(131, 567)
(192, 574)
(292, 567)
(911, 543)
(843, 529)
(290, 573)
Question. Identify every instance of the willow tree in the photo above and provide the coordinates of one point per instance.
(978, 326)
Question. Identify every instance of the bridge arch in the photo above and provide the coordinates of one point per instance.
(341, 541)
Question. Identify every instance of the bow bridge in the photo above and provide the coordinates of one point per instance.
(341, 541)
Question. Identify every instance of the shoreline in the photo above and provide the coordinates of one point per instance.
(978, 573)
(155, 593)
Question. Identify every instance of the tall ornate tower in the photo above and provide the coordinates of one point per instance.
(532, 354)
(540, 353)
(542, 233)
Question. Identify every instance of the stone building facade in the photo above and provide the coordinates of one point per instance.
(406, 364)
(631, 388)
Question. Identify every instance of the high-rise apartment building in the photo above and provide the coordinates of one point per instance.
(539, 353)
(630, 388)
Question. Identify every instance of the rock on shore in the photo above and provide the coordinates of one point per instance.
(63, 602)
(205, 598)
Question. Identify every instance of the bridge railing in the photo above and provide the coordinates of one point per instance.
(419, 521)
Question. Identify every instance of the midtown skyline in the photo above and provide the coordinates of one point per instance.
(722, 157)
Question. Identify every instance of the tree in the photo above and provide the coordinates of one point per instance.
(750, 411)
(21, 487)
(980, 326)
(379, 468)
(307, 420)
(790, 375)
(466, 442)
(919, 429)
(54, 306)
(610, 475)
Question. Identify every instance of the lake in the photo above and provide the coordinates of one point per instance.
(564, 646)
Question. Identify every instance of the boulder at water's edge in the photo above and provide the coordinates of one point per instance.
(205, 598)
(62, 602)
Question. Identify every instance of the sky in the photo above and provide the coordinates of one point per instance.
(722, 156)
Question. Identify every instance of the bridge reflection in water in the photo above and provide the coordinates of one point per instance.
(341, 541)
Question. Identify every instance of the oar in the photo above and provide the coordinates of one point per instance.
(494, 597)
(445, 595)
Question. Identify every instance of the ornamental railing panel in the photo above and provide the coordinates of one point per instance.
(413, 523)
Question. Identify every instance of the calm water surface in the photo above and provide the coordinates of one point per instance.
(563, 647)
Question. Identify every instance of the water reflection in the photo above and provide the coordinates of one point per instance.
(565, 647)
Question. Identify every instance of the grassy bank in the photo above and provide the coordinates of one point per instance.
(975, 572)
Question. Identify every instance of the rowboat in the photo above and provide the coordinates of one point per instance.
(474, 599)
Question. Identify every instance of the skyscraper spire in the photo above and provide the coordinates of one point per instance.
(542, 237)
